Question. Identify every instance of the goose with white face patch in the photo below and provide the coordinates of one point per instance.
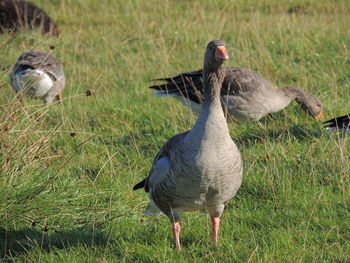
(200, 168)
(38, 75)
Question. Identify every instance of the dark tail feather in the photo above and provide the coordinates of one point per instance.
(343, 121)
(139, 185)
(162, 79)
(160, 87)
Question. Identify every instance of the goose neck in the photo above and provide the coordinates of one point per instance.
(212, 86)
(294, 93)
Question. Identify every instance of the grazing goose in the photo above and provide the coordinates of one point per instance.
(244, 94)
(16, 14)
(38, 75)
(200, 168)
(339, 124)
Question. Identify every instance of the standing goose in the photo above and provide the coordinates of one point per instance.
(245, 94)
(38, 75)
(339, 124)
(200, 168)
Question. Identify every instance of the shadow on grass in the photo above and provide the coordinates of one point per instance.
(297, 132)
(19, 242)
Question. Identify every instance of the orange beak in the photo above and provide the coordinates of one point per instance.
(320, 116)
(221, 53)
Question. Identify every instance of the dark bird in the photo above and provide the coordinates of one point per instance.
(245, 95)
(16, 14)
(200, 168)
(339, 124)
(38, 75)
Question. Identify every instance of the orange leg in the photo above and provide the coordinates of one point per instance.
(176, 231)
(215, 221)
(59, 95)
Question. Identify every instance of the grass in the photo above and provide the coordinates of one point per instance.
(67, 169)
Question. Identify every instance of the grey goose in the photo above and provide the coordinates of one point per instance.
(341, 123)
(38, 75)
(200, 168)
(245, 95)
(15, 14)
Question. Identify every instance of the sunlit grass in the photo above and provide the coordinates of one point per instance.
(67, 169)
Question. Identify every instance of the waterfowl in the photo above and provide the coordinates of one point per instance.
(38, 75)
(16, 14)
(245, 95)
(200, 168)
(341, 123)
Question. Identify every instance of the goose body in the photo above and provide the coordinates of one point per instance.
(200, 168)
(16, 14)
(38, 75)
(341, 123)
(43, 82)
(245, 95)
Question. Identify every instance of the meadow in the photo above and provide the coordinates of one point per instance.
(67, 169)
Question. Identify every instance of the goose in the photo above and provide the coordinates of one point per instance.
(245, 95)
(38, 75)
(16, 14)
(341, 123)
(200, 168)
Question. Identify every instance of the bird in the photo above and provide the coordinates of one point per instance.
(200, 168)
(38, 75)
(245, 95)
(15, 14)
(341, 123)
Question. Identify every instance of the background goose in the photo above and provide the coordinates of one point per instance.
(16, 14)
(38, 75)
(244, 94)
(339, 124)
(200, 168)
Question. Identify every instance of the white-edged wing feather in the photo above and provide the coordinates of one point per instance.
(159, 172)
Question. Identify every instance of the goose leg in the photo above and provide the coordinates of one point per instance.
(215, 221)
(48, 99)
(215, 212)
(59, 96)
(176, 231)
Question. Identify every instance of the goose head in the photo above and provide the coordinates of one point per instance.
(215, 55)
(311, 105)
(308, 102)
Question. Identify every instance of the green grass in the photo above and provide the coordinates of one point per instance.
(67, 198)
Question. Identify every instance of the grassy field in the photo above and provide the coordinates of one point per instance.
(67, 169)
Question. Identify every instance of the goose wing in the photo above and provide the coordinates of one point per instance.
(161, 162)
(238, 81)
(43, 60)
(342, 122)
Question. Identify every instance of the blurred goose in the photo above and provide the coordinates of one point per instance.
(38, 75)
(339, 124)
(245, 94)
(16, 14)
(200, 168)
